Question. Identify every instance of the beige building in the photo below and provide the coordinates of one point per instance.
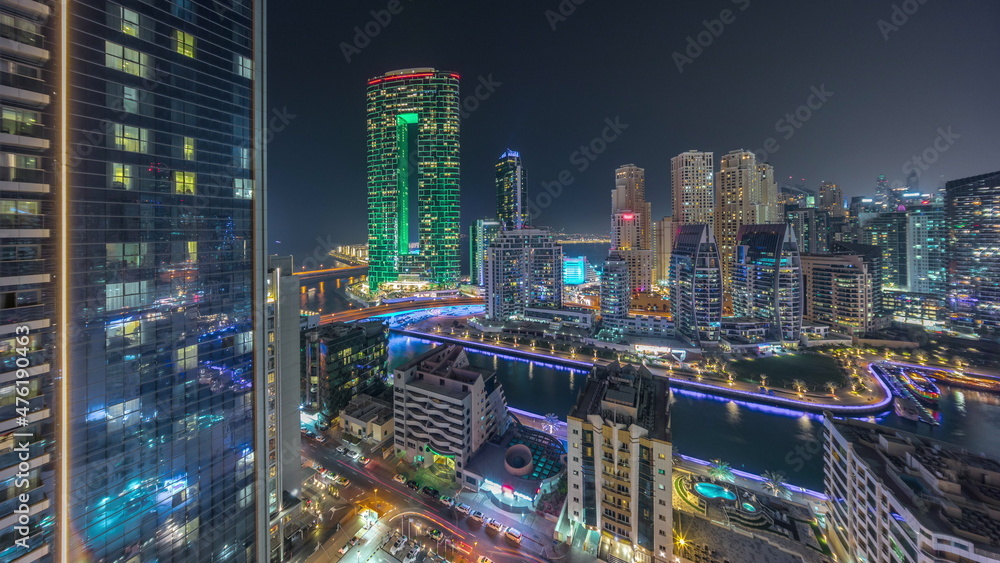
(620, 463)
(663, 243)
(368, 417)
(692, 177)
(837, 291)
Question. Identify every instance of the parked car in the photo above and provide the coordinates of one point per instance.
(343, 481)
(434, 534)
(513, 535)
(413, 485)
(476, 516)
(310, 434)
(493, 525)
(352, 454)
(355, 541)
(344, 548)
(341, 449)
(399, 478)
(430, 491)
(321, 438)
(484, 559)
(446, 500)
(398, 546)
(323, 425)
(364, 460)
(462, 508)
(412, 555)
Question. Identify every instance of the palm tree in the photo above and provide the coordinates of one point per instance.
(763, 380)
(799, 386)
(729, 376)
(831, 387)
(720, 471)
(774, 484)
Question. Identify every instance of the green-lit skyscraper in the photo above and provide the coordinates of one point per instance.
(413, 176)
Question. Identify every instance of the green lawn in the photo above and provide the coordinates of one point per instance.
(813, 369)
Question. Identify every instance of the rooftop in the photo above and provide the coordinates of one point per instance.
(628, 394)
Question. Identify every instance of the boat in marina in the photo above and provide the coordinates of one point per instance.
(922, 388)
(906, 408)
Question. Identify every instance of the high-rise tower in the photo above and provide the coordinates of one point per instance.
(743, 191)
(133, 207)
(692, 176)
(413, 176)
(512, 191)
(972, 206)
(631, 228)
(767, 279)
(696, 285)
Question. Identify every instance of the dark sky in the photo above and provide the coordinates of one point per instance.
(890, 98)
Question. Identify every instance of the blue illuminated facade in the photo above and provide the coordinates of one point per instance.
(574, 270)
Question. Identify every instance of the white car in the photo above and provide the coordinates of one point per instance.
(399, 478)
(352, 454)
(476, 516)
(320, 438)
(340, 449)
(492, 524)
(398, 546)
(462, 508)
(513, 535)
(412, 555)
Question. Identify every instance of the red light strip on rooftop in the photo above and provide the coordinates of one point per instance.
(401, 76)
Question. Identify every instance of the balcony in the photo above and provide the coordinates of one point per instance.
(18, 50)
(25, 90)
(13, 423)
(30, 8)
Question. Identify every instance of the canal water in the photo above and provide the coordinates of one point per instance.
(751, 437)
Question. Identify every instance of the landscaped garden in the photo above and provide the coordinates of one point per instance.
(814, 370)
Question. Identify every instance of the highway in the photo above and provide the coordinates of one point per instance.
(338, 272)
(364, 313)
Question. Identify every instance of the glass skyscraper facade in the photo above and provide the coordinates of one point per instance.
(413, 176)
(512, 191)
(133, 220)
(972, 208)
(696, 285)
(767, 279)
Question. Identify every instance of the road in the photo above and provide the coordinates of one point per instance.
(358, 314)
(414, 514)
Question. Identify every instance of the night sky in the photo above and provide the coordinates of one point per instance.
(934, 80)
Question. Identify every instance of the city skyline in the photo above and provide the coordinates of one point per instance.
(513, 106)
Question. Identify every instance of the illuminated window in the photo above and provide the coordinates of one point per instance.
(192, 251)
(129, 138)
(188, 148)
(244, 66)
(130, 100)
(243, 188)
(125, 59)
(184, 43)
(184, 182)
(130, 22)
(121, 176)
(124, 295)
(187, 358)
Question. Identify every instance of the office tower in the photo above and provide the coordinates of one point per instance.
(872, 257)
(696, 285)
(512, 191)
(926, 244)
(692, 176)
(341, 361)
(770, 209)
(888, 232)
(616, 295)
(861, 204)
(445, 409)
(812, 226)
(631, 230)
(134, 260)
(897, 496)
(883, 193)
(575, 270)
(663, 244)
(796, 194)
(831, 199)
(626, 238)
(413, 176)
(523, 270)
(481, 236)
(740, 200)
(620, 463)
(767, 279)
(972, 206)
(284, 439)
(838, 292)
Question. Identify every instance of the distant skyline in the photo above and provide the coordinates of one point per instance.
(882, 90)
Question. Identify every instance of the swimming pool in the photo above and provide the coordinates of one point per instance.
(749, 507)
(710, 490)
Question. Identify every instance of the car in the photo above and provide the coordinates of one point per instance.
(364, 460)
(398, 546)
(352, 454)
(355, 541)
(310, 434)
(412, 555)
(413, 485)
(446, 500)
(323, 425)
(341, 449)
(399, 478)
(321, 438)
(430, 491)
(513, 535)
(493, 525)
(484, 559)
(476, 516)
(344, 548)
(462, 508)
(434, 534)
(343, 481)
(303, 430)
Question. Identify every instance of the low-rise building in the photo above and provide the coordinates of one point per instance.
(367, 417)
(340, 361)
(899, 497)
(445, 409)
(619, 464)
